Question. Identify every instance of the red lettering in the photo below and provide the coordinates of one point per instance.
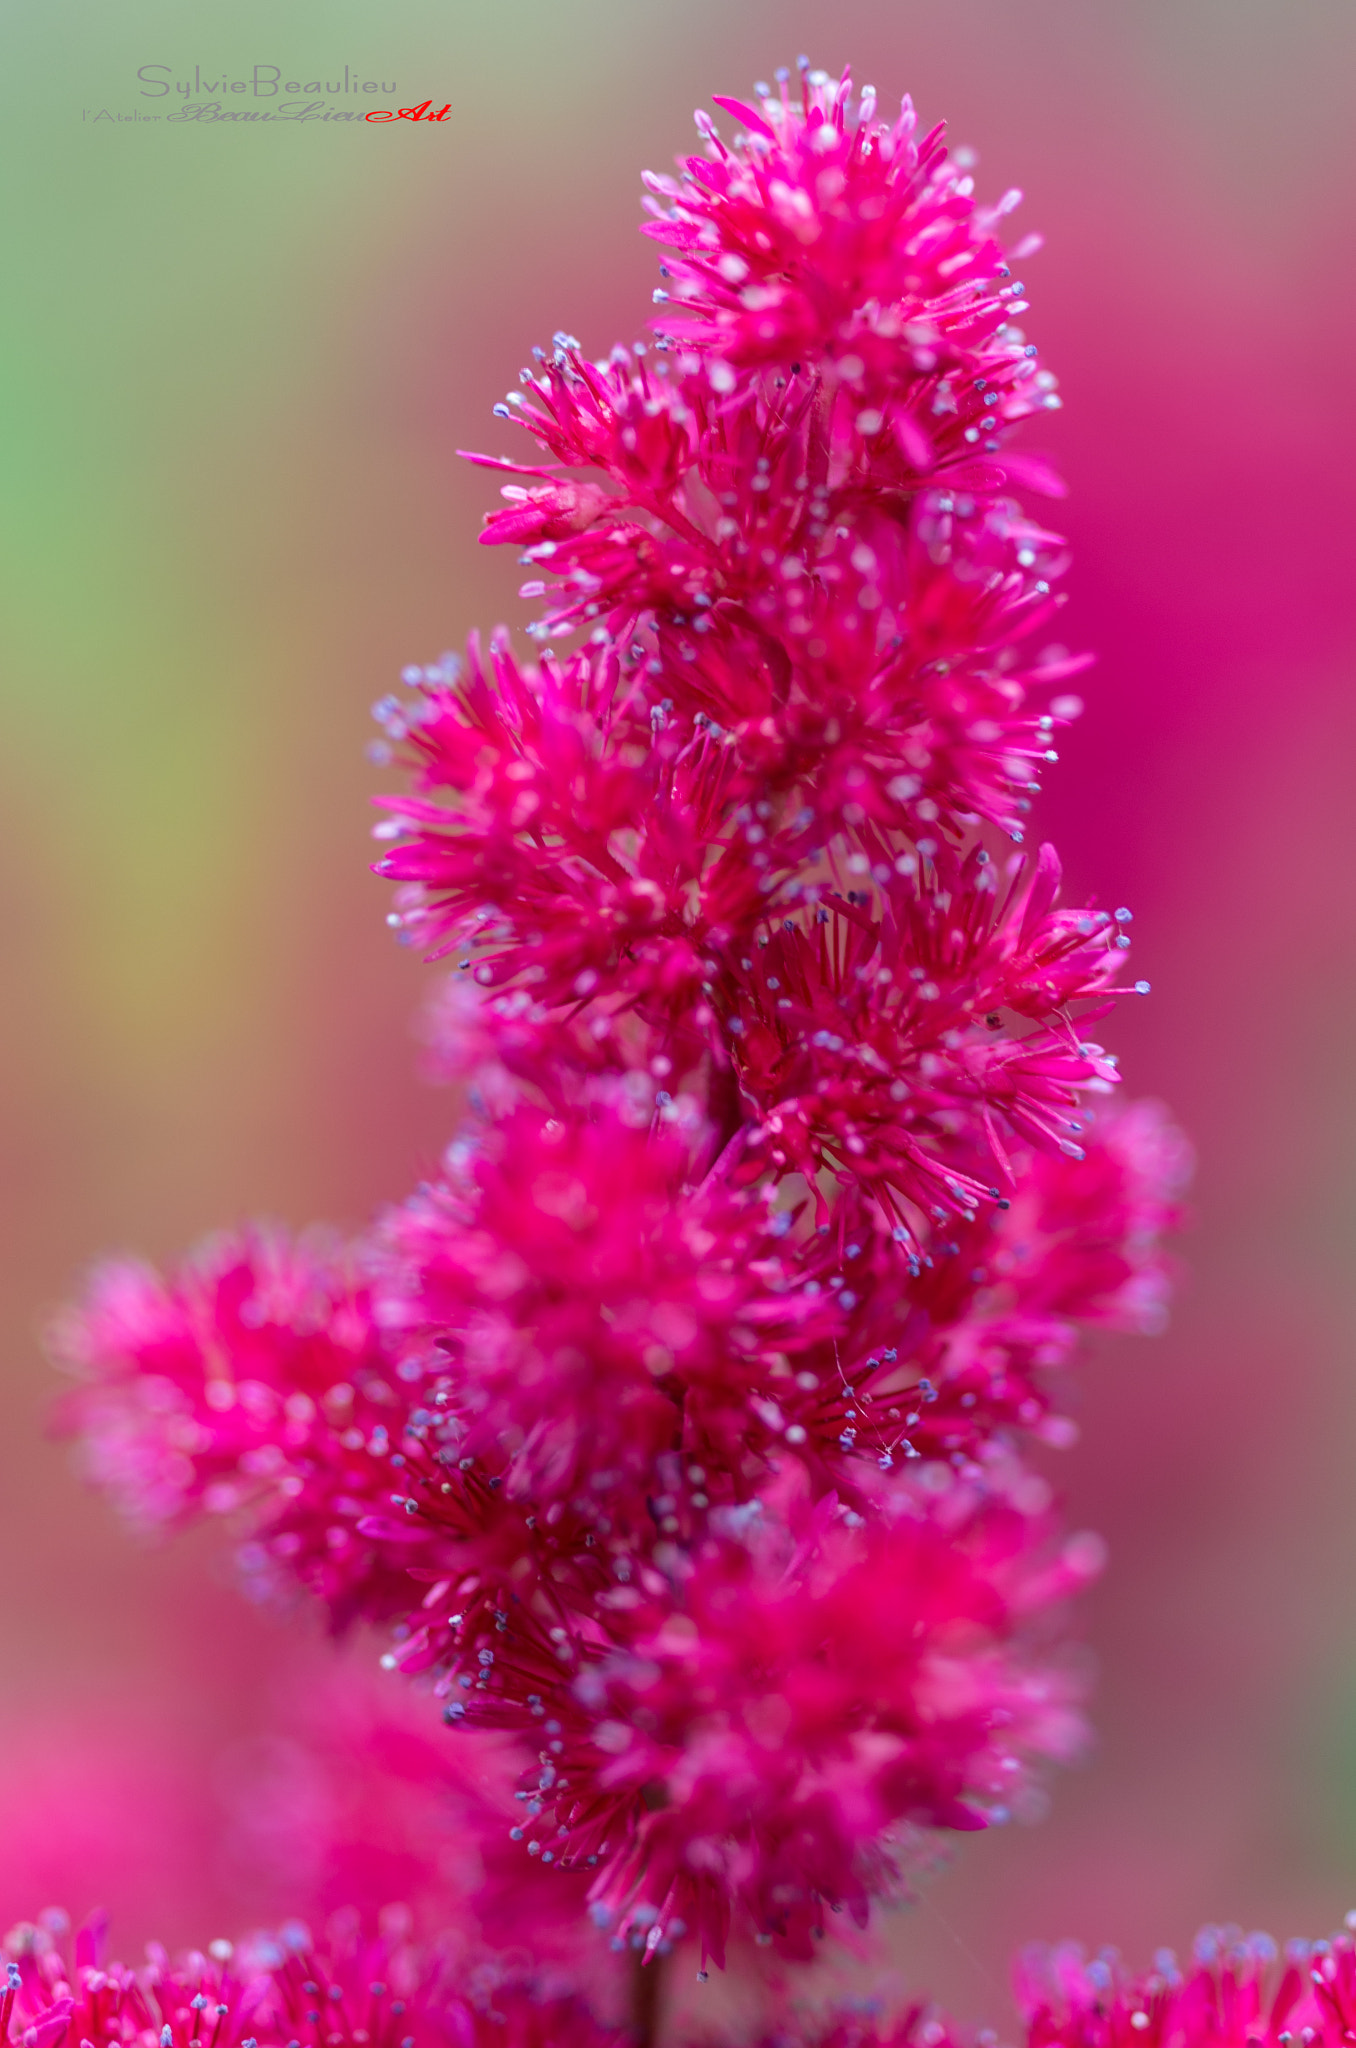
(423, 112)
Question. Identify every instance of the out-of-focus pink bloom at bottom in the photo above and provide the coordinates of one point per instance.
(350, 1988)
(357, 1797)
(356, 1988)
(353, 1795)
(1238, 1991)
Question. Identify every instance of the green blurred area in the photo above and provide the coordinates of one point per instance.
(235, 362)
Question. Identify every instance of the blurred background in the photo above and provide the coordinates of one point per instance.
(237, 361)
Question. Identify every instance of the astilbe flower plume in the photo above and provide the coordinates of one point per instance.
(678, 1425)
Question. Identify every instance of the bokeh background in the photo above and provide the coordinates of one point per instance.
(236, 363)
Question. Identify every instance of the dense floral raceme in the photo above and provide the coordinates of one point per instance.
(678, 1426)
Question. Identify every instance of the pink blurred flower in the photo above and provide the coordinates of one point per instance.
(355, 1797)
(220, 1389)
(1238, 1989)
(379, 1989)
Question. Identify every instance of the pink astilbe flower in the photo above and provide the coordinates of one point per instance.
(857, 1034)
(647, 1318)
(1238, 1989)
(675, 1427)
(547, 1532)
(825, 1680)
(350, 1989)
(223, 1387)
(652, 1329)
(804, 520)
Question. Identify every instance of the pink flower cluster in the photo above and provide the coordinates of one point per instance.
(1238, 1990)
(569, 1427)
(679, 1426)
(350, 1989)
(356, 1989)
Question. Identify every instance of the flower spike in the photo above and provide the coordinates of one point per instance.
(677, 1427)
